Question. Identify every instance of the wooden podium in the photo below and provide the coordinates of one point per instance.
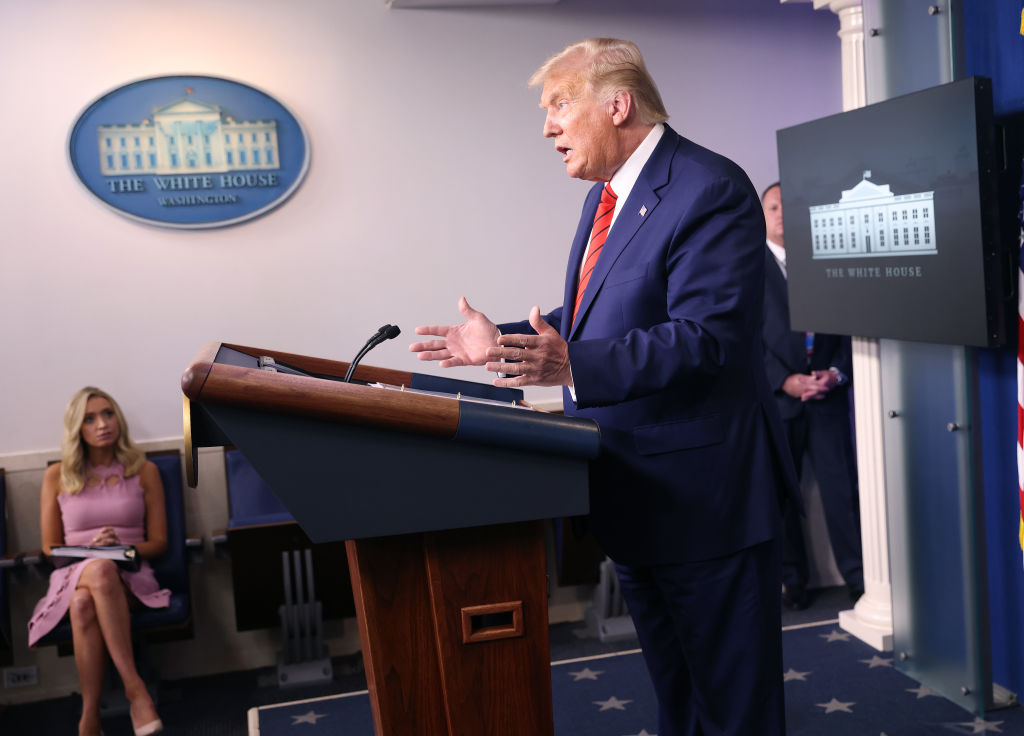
(439, 487)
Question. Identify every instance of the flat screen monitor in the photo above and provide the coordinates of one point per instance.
(891, 219)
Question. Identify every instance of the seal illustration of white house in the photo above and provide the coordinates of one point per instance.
(870, 221)
(188, 151)
(188, 136)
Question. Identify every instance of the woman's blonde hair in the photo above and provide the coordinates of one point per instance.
(606, 65)
(74, 453)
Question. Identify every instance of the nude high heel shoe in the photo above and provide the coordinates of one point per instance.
(150, 728)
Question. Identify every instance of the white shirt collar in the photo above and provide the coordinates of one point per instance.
(623, 180)
(777, 250)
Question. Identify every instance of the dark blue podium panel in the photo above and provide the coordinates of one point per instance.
(344, 481)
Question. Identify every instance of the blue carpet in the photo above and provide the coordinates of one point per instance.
(835, 685)
(334, 714)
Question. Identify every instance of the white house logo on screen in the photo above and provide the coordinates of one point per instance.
(869, 220)
(189, 151)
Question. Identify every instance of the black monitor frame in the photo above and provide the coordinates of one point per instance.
(935, 157)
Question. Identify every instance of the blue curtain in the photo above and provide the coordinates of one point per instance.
(994, 48)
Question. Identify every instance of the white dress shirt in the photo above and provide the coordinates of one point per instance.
(780, 255)
(622, 184)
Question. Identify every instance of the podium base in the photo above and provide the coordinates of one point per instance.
(454, 630)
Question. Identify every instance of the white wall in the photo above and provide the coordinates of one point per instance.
(424, 138)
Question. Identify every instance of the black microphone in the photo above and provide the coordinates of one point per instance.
(386, 332)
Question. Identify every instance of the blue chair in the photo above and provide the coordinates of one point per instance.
(250, 500)
(259, 529)
(171, 568)
(266, 543)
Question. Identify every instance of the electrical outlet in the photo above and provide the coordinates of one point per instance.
(20, 676)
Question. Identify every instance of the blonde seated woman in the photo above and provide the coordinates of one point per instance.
(103, 492)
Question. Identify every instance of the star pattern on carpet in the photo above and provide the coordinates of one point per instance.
(586, 674)
(980, 725)
(310, 717)
(792, 674)
(836, 705)
(877, 661)
(835, 635)
(618, 699)
(612, 703)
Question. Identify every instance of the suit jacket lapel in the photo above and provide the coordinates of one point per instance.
(641, 203)
(775, 282)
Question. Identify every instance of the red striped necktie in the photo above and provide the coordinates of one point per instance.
(602, 223)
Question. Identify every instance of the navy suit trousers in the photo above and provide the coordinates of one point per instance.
(826, 438)
(711, 634)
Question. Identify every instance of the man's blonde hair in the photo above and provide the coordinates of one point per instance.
(605, 65)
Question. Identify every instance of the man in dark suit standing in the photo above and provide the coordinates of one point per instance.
(810, 374)
(658, 339)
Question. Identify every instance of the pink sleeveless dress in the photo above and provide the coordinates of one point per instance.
(119, 504)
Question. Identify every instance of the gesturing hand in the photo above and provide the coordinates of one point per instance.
(464, 344)
(543, 358)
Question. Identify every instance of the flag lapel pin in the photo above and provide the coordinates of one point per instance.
(643, 210)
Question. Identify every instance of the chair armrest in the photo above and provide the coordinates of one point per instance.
(34, 559)
(219, 538)
(18, 562)
(194, 549)
(21, 559)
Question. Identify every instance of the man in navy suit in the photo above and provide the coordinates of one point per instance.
(810, 374)
(664, 351)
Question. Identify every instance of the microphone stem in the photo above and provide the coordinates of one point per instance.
(355, 361)
(384, 333)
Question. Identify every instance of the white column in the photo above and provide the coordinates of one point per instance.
(851, 38)
(870, 620)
